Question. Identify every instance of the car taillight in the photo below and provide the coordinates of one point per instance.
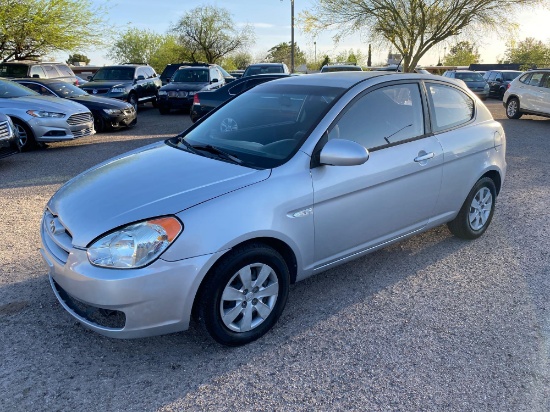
(196, 100)
(508, 86)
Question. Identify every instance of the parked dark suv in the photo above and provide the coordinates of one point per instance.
(171, 68)
(498, 81)
(134, 83)
(186, 81)
(24, 69)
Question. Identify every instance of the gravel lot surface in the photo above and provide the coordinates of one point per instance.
(432, 323)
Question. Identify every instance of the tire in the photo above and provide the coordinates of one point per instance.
(234, 307)
(99, 123)
(132, 99)
(512, 109)
(164, 110)
(476, 213)
(154, 102)
(27, 141)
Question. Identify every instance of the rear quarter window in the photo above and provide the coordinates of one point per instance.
(450, 106)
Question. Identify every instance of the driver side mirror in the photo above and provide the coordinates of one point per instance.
(498, 79)
(141, 77)
(340, 152)
(214, 81)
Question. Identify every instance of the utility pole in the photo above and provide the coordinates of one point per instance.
(291, 36)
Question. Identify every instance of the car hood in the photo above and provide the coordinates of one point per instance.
(476, 84)
(103, 84)
(190, 87)
(155, 180)
(46, 103)
(100, 102)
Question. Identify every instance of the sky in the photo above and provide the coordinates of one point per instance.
(271, 22)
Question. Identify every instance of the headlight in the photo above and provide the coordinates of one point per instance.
(163, 92)
(118, 90)
(112, 111)
(135, 245)
(43, 113)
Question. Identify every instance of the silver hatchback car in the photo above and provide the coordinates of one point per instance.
(287, 180)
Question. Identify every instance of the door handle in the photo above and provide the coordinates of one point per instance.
(424, 157)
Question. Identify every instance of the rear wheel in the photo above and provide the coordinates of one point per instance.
(512, 109)
(26, 138)
(244, 295)
(476, 213)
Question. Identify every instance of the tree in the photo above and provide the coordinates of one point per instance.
(281, 54)
(239, 60)
(209, 31)
(413, 27)
(462, 53)
(326, 60)
(369, 60)
(529, 52)
(350, 57)
(145, 46)
(33, 28)
(74, 58)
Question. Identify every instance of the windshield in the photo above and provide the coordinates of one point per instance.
(341, 69)
(115, 73)
(509, 76)
(469, 77)
(266, 125)
(13, 70)
(191, 76)
(11, 89)
(64, 89)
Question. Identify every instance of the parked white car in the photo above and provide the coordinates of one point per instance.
(528, 94)
(43, 119)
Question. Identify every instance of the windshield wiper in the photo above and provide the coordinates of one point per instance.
(188, 146)
(214, 150)
(387, 139)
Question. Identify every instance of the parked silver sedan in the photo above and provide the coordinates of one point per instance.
(287, 180)
(42, 119)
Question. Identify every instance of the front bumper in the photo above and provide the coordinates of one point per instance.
(166, 102)
(117, 121)
(153, 300)
(58, 130)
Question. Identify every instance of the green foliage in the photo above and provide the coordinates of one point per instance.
(411, 27)
(350, 56)
(529, 53)
(462, 53)
(30, 29)
(326, 60)
(237, 61)
(209, 33)
(74, 58)
(281, 54)
(146, 46)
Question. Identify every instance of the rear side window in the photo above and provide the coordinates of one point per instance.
(546, 82)
(492, 76)
(525, 78)
(450, 106)
(64, 70)
(51, 71)
(535, 79)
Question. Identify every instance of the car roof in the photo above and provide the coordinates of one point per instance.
(336, 79)
(265, 64)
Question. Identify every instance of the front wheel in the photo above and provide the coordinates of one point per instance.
(132, 99)
(476, 213)
(512, 109)
(26, 138)
(244, 295)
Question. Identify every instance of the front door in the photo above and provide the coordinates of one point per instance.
(394, 193)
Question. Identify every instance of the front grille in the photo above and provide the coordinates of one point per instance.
(56, 237)
(80, 118)
(97, 91)
(83, 132)
(177, 94)
(5, 131)
(106, 318)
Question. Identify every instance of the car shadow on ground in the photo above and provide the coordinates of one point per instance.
(67, 367)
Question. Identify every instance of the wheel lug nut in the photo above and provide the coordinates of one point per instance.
(245, 291)
(254, 301)
(256, 289)
(243, 304)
